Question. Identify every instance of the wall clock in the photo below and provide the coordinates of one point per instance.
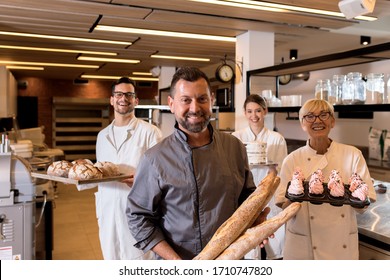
(224, 73)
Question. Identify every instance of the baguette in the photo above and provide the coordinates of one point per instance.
(241, 219)
(252, 237)
(267, 199)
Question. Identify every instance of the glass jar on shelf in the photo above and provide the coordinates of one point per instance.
(355, 89)
(322, 89)
(337, 88)
(375, 88)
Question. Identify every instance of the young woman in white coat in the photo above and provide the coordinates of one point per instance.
(255, 109)
(322, 232)
(123, 142)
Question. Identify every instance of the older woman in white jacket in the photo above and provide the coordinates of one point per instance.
(255, 109)
(322, 232)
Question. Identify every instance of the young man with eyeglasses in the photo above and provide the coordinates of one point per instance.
(123, 142)
(322, 232)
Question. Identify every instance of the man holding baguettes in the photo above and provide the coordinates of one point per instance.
(189, 184)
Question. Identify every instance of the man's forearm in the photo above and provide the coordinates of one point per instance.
(164, 250)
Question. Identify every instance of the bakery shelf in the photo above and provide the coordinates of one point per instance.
(362, 55)
(76, 123)
(340, 108)
(352, 57)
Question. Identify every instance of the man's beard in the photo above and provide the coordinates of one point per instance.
(194, 127)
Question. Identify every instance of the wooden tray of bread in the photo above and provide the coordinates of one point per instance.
(79, 182)
(82, 172)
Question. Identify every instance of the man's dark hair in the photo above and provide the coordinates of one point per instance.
(123, 80)
(189, 74)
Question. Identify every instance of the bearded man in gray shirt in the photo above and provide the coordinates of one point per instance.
(187, 185)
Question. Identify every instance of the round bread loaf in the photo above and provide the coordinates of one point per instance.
(84, 172)
(59, 168)
(82, 161)
(108, 168)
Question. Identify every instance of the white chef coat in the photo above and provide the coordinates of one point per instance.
(323, 231)
(276, 152)
(111, 198)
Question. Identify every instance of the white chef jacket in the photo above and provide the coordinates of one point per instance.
(276, 152)
(323, 232)
(111, 198)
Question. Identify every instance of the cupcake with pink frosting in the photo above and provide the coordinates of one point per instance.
(316, 187)
(358, 187)
(335, 185)
(296, 185)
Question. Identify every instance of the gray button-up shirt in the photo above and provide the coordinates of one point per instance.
(183, 194)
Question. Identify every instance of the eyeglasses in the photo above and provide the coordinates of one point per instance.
(119, 94)
(311, 118)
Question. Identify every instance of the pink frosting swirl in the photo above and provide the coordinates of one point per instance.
(298, 174)
(361, 192)
(335, 184)
(316, 182)
(296, 187)
(354, 182)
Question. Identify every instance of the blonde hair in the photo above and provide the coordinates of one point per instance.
(312, 105)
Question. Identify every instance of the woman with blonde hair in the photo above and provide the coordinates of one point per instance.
(322, 232)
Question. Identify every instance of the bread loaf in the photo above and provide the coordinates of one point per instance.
(59, 168)
(241, 219)
(252, 237)
(108, 168)
(84, 172)
(82, 161)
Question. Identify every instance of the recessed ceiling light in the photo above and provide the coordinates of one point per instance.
(90, 40)
(117, 77)
(24, 48)
(180, 57)
(21, 67)
(164, 33)
(365, 40)
(105, 59)
(142, 73)
(293, 54)
(48, 64)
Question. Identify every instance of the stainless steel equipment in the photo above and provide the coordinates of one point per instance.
(44, 190)
(374, 226)
(17, 208)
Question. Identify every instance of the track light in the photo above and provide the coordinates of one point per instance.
(365, 40)
(293, 54)
(355, 8)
